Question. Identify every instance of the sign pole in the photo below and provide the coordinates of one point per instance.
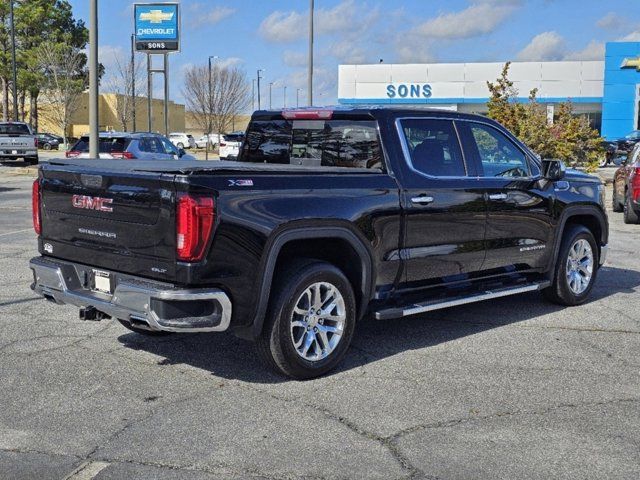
(93, 81)
(166, 95)
(149, 91)
(133, 82)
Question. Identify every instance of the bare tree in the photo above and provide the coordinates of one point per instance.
(122, 83)
(214, 104)
(65, 82)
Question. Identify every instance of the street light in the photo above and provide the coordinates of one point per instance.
(284, 101)
(270, 85)
(259, 77)
(93, 79)
(209, 109)
(310, 79)
(133, 82)
(298, 97)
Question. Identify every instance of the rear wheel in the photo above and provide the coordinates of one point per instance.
(615, 203)
(576, 267)
(142, 331)
(311, 320)
(46, 146)
(630, 215)
(180, 145)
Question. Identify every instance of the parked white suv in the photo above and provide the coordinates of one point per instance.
(230, 144)
(182, 140)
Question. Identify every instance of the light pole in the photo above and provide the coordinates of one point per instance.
(310, 75)
(284, 97)
(298, 97)
(259, 77)
(133, 82)
(209, 109)
(93, 79)
(13, 62)
(270, 86)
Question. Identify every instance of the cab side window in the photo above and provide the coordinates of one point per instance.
(434, 147)
(498, 156)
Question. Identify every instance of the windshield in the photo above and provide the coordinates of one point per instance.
(107, 145)
(14, 129)
(233, 138)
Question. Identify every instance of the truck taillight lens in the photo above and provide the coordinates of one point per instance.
(35, 206)
(126, 155)
(635, 183)
(195, 217)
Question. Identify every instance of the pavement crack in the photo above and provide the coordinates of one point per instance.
(543, 411)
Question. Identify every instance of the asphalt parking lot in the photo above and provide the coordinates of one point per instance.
(514, 388)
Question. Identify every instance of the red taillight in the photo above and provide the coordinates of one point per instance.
(195, 217)
(307, 114)
(634, 181)
(223, 145)
(126, 155)
(35, 206)
(35, 142)
(71, 153)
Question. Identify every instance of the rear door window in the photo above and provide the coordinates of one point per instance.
(320, 143)
(434, 147)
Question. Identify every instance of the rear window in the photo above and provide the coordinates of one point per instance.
(14, 129)
(107, 145)
(233, 138)
(326, 143)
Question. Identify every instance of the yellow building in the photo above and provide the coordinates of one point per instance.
(108, 116)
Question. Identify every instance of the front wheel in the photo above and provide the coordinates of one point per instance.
(180, 145)
(576, 268)
(46, 146)
(311, 320)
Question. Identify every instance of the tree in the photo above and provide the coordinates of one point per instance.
(569, 138)
(61, 65)
(214, 105)
(122, 82)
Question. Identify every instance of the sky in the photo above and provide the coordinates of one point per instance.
(272, 35)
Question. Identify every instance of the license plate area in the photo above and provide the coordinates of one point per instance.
(101, 281)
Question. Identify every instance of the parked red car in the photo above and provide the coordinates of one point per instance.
(626, 187)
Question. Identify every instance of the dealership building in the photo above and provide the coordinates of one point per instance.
(607, 91)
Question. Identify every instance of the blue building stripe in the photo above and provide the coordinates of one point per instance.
(438, 101)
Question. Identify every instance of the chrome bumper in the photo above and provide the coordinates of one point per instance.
(604, 251)
(144, 303)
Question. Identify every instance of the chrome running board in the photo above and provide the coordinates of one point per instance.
(439, 304)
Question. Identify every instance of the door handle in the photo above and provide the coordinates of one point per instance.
(498, 196)
(423, 200)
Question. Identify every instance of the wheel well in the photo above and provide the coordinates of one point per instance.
(589, 221)
(336, 251)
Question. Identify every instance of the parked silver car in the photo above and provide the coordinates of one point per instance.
(123, 145)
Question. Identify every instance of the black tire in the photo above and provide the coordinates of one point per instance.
(31, 160)
(630, 215)
(46, 146)
(276, 343)
(180, 145)
(615, 203)
(560, 292)
(142, 331)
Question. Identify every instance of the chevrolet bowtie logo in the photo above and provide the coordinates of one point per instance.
(631, 63)
(156, 16)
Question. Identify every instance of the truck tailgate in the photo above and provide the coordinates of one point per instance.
(117, 220)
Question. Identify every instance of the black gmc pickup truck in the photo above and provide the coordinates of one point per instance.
(327, 216)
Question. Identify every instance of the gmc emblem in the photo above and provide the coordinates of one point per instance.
(92, 203)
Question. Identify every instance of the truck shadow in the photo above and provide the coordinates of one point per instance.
(226, 356)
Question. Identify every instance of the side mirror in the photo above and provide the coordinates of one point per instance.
(181, 152)
(553, 170)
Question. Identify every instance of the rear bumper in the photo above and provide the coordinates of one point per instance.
(144, 303)
(8, 153)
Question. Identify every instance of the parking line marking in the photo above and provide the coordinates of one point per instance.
(17, 231)
(87, 471)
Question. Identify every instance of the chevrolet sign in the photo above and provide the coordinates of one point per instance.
(157, 27)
